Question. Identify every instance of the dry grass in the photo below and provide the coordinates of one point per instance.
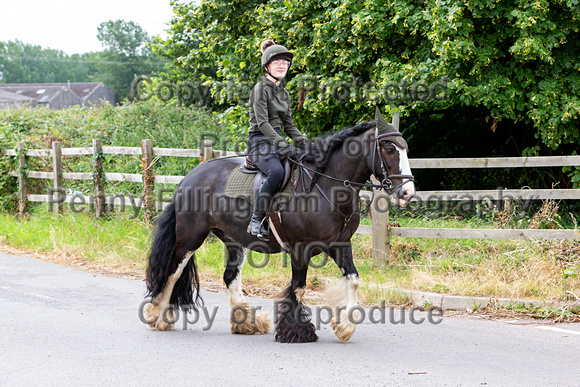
(511, 269)
(499, 268)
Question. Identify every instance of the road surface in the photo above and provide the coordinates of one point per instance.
(59, 326)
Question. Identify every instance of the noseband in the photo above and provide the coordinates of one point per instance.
(386, 183)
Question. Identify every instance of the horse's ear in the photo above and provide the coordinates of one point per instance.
(382, 124)
(396, 120)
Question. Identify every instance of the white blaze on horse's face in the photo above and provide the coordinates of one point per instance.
(404, 194)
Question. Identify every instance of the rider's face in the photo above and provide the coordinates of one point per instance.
(279, 67)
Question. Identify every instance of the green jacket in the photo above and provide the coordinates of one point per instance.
(269, 110)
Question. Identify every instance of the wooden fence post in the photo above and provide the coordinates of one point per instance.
(57, 177)
(98, 178)
(381, 237)
(148, 179)
(21, 179)
(206, 150)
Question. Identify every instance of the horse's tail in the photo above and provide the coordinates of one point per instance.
(163, 262)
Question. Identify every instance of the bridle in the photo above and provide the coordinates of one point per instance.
(386, 183)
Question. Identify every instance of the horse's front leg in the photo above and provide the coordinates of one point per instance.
(293, 321)
(342, 297)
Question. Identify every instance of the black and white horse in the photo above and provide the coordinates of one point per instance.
(333, 176)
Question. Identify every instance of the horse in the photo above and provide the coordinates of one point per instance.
(321, 217)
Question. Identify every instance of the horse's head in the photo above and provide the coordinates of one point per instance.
(389, 162)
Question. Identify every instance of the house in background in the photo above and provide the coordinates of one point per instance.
(93, 93)
(55, 95)
(13, 100)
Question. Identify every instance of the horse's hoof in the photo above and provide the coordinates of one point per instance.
(294, 332)
(245, 322)
(261, 325)
(345, 328)
(156, 321)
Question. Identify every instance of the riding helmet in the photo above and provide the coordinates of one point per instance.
(273, 52)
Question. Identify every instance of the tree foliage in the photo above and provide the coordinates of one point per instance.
(127, 54)
(123, 37)
(27, 63)
(514, 60)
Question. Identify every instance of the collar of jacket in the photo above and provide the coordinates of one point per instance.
(275, 87)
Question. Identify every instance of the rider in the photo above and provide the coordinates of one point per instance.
(269, 111)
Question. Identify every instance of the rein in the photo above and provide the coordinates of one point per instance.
(386, 184)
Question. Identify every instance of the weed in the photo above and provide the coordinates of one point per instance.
(546, 217)
(440, 288)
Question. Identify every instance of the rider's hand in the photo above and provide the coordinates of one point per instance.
(302, 143)
(286, 152)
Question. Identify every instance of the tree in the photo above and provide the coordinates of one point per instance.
(123, 37)
(127, 54)
(27, 63)
(508, 67)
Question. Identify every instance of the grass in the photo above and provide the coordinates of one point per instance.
(545, 270)
(79, 237)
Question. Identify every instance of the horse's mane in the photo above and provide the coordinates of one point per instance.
(320, 149)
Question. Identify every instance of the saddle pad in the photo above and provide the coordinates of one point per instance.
(241, 185)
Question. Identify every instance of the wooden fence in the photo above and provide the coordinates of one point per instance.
(99, 177)
(380, 229)
(381, 240)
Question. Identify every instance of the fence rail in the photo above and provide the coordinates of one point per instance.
(380, 229)
(497, 162)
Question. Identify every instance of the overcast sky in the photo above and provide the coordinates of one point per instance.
(71, 25)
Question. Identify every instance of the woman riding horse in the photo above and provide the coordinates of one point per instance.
(269, 111)
(322, 215)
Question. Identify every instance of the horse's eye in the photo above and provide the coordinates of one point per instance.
(390, 150)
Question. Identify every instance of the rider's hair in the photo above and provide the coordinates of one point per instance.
(265, 44)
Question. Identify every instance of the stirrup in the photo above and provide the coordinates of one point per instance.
(263, 229)
(264, 233)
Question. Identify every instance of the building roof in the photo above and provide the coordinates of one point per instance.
(44, 93)
(8, 96)
(84, 90)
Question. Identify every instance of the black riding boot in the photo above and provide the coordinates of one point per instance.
(259, 224)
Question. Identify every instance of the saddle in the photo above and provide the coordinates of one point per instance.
(250, 168)
(245, 180)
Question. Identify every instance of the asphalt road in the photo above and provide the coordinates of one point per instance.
(59, 326)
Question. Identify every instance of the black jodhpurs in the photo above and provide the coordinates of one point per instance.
(261, 153)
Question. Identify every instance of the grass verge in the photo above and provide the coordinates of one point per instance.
(543, 270)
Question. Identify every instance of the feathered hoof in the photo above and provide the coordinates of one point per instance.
(158, 321)
(247, 323)
(344, 329)
(294, 332)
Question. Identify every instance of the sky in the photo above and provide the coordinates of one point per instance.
(71, 25)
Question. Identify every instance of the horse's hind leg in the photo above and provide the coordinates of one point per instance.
(172, 273)
(243, 318)
(160, 311)
(292, 321)
(343, 296)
